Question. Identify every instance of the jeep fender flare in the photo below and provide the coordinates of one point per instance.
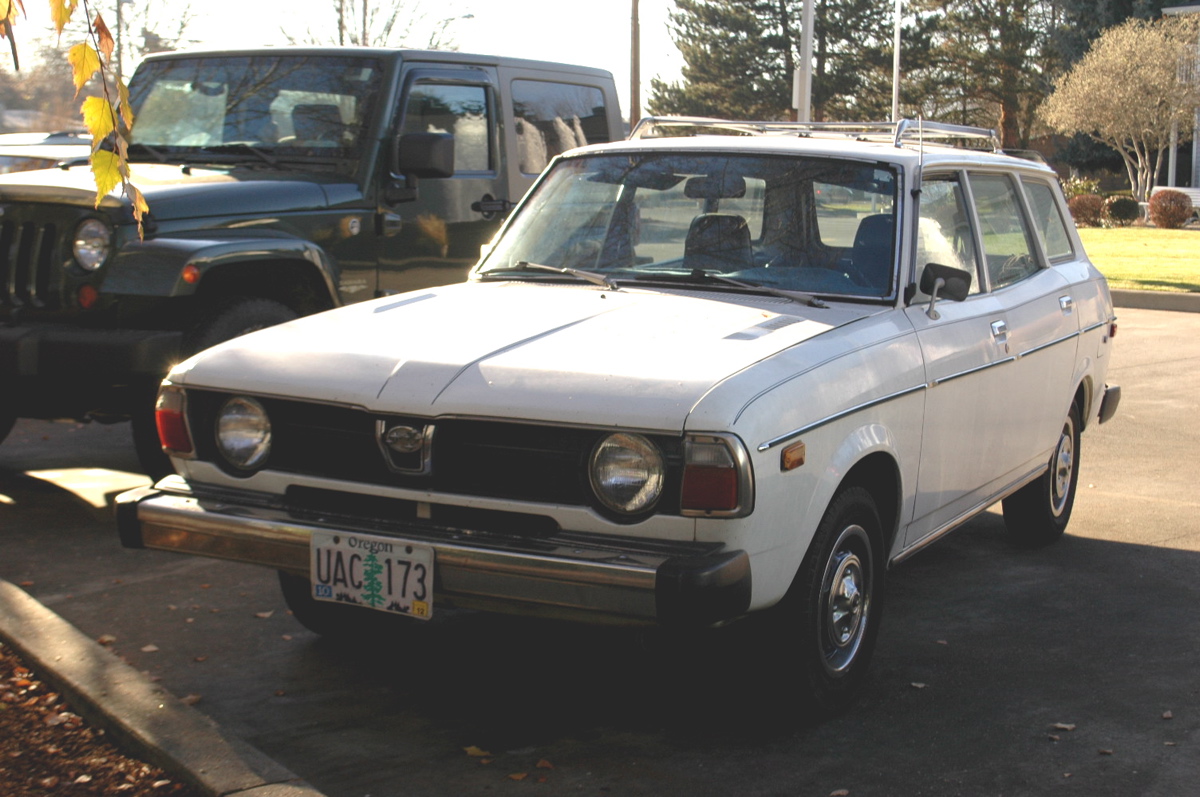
(156, 267)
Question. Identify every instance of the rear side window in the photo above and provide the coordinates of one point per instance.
(1048, 220)
(1007, 245)
(552, 118)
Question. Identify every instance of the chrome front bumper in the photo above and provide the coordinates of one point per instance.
(598, 578)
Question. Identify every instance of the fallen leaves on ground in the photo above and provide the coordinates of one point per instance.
(46, 748)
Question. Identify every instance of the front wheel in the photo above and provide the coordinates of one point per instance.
(233, 317)
(1038, 513)
(827, 624)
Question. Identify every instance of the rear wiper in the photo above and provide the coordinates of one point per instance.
(703, 277)
(602, 280)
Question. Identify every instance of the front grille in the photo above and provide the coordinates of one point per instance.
(518, 461)
(30, 255)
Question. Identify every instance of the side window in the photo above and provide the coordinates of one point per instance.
(1048, 220)
(1007, 246)
(554, 117)
(944, 233)
(460, 110)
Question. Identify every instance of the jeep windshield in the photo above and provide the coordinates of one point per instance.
(717, 221)
(258, 109)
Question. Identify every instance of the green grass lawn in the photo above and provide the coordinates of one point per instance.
(1145, 258)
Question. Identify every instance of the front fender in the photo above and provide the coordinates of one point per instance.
(155, 267)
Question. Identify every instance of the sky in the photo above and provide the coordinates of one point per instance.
(552, 30)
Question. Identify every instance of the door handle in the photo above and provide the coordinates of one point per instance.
(1000, 331)
(489, 206)
(1067, 304)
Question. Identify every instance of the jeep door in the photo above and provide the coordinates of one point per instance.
(434, 238)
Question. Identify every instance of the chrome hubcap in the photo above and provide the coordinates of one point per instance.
(845, 599)
(1063, 466)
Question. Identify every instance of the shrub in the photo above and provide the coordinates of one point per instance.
(1087, 210)
(1076, 186)
(1121, 211)
(1170, 209)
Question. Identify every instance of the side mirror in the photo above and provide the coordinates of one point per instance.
(424, 155)
(416, 155)
(953, 283)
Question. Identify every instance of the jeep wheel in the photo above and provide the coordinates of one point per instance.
(826, 625)
(7, 421)
(1038, 513)
(233, 317)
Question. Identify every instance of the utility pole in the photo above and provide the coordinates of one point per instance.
(635, 68)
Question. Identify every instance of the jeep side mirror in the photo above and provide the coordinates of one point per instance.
(417, 155)
(953, 283)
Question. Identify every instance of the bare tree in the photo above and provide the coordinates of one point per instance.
(1136, 84)
(383, 23)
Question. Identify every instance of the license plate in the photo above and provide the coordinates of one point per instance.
(378, 573)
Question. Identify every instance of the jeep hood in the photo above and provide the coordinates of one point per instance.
(175, 192)
(559, 354)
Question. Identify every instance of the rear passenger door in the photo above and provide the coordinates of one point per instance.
(1042, 325)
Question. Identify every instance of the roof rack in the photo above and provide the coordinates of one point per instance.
(905, 130)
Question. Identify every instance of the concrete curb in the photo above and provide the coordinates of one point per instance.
(144, 718)
(1157, 300)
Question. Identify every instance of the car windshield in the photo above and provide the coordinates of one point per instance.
(312, 105)
(813, 225)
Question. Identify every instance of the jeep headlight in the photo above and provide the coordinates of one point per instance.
(243, 433)
(627, 473)
(92, 243)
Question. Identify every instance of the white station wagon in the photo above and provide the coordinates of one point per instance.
(717, 370)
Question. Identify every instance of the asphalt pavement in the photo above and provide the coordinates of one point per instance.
(998, 671)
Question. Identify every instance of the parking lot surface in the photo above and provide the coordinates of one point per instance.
(999, 671)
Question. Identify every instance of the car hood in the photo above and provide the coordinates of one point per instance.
(174, 192)
(559, 354)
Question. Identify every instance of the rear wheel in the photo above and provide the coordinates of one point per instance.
(1038, 513)
(827, 624)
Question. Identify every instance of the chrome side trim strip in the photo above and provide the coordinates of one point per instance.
(783, 438)
(974, 370)
(1048, 344)
(1095, 326)
(950, 526)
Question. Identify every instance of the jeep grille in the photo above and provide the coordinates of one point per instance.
(28, 252)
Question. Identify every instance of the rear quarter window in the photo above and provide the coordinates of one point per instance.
(1048, 220)
(552, 118)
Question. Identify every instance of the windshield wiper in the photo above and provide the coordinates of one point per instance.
(242, 147)
(702, 277)
(149, 150)
(602, 280)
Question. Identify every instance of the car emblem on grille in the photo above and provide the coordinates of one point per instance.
(407, 449)
(404, 439)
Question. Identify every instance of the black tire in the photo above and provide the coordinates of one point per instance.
(233, 317)
(827, 624)
(1038, 513)
(8, 420)
(338, 621)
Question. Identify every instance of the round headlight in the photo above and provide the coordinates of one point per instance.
(93, 240)
(627, 473)
(243, 433)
